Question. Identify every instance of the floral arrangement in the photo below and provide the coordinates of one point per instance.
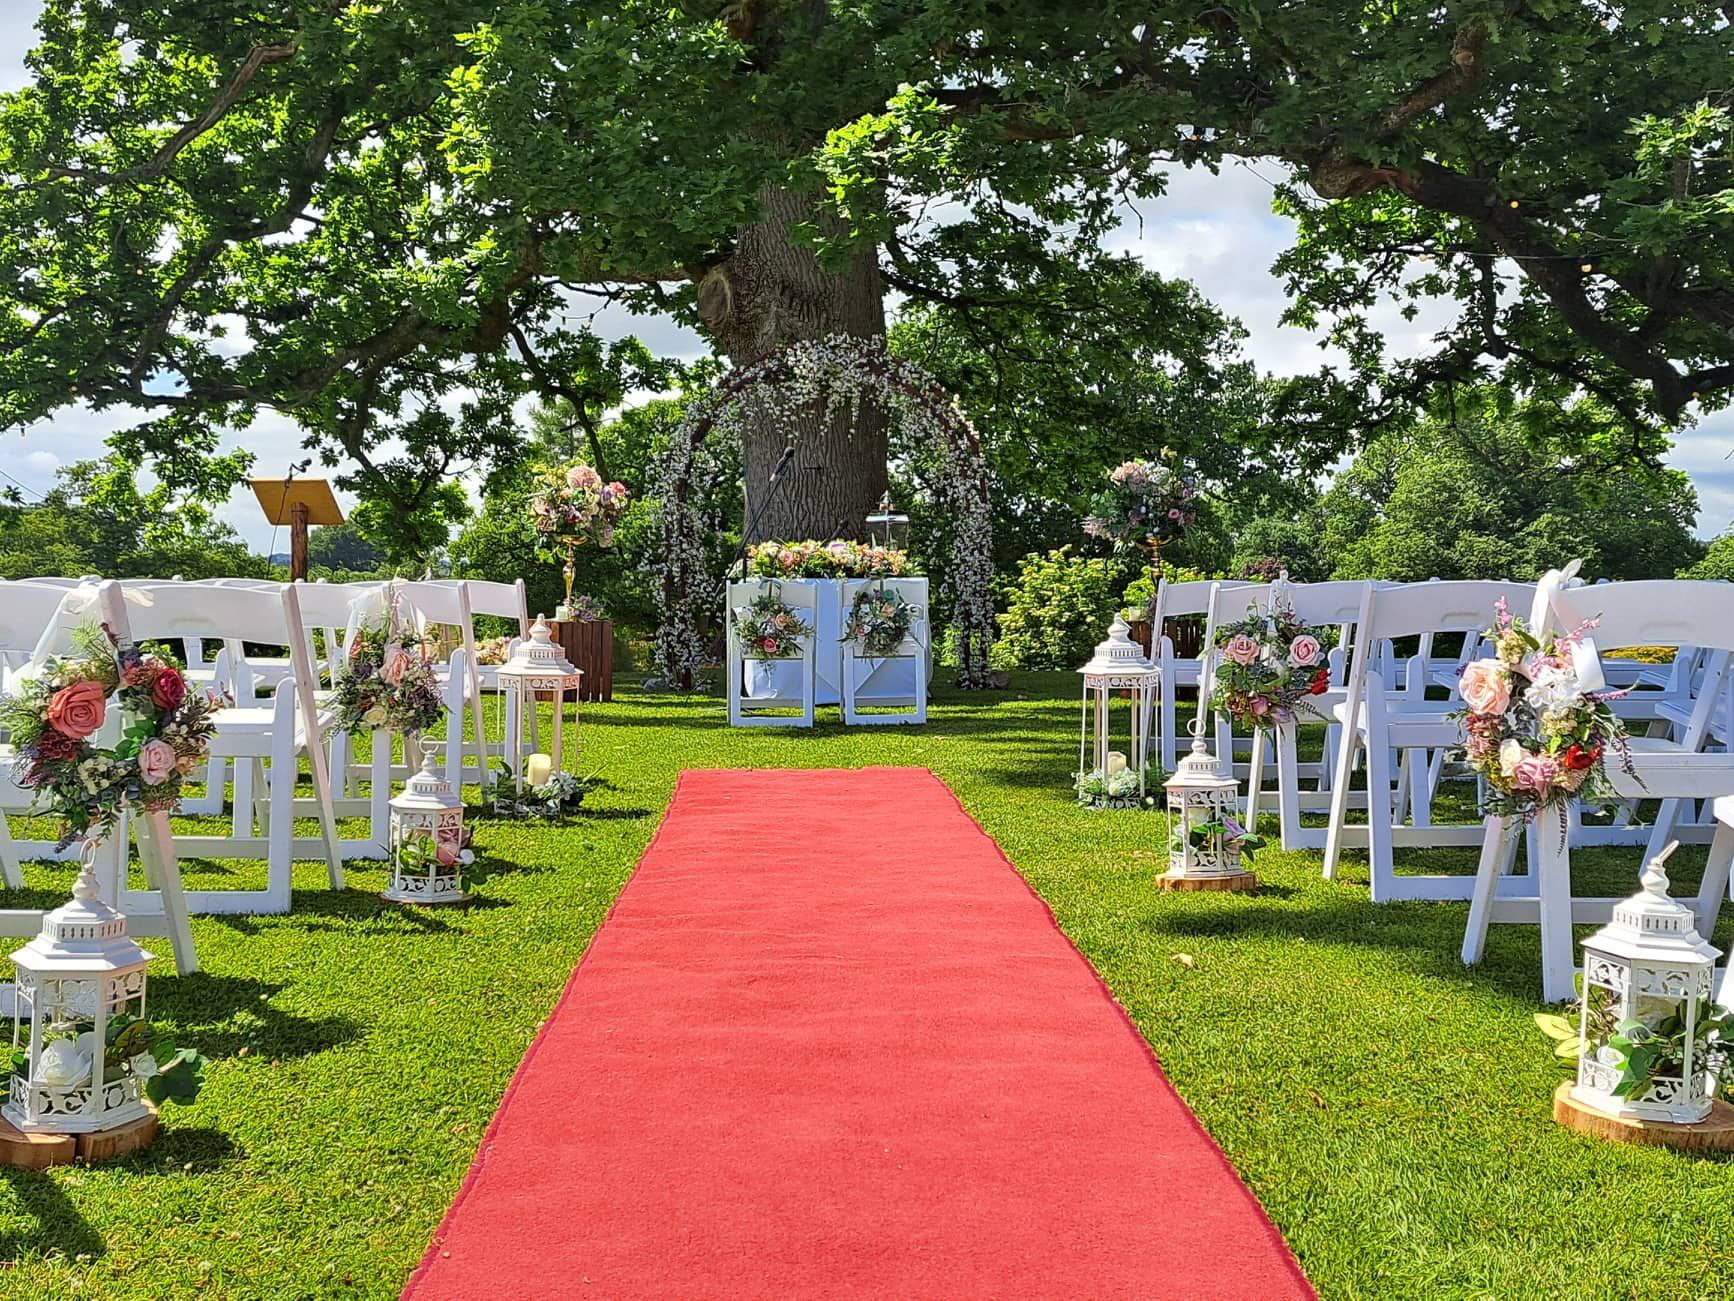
(493, 650)
(389, 681)
(560, 796)
(132, 1047)
(1144, 503)
(427, 855)
(1643, 1053)
(1115, 789)
(1268, 666)
(54, 719)
(834, 376)
(572, 506)
(768, 628)
(879, 621)
(836, 559)
(1532, 734)
(586, 609)
(1235, 838)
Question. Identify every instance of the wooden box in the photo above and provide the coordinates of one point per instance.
(590, 648)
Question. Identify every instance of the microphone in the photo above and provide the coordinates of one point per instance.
(837, 529)
(783, 462)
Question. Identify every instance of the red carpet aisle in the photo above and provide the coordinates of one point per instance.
(830, 1044)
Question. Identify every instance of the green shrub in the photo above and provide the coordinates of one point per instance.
(1057, 609)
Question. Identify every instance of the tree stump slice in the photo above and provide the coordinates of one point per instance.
(1715, 1133)
(122, 1140)
(1238, 882)
(23, 1151)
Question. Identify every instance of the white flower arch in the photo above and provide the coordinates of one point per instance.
(839, 370)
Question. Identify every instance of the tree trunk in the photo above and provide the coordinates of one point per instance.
(770, 293)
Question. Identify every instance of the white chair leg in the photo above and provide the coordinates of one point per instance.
(280, 838)
(1255, 778)
(1714, 887)
(156, 844)
(1288, 787)
(10, 870)
(1553, 883)
(245, 793)
(1498, 852)
(1340, 803)
(1382, 812)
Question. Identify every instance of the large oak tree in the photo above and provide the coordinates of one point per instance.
(389, 220)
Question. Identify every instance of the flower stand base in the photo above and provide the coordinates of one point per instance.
(1715, 1133)
(441, 899)
(1236, 881)
(23, 1151)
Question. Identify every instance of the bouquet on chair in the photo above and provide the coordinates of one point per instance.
(388, 682)
(1268, 665)
(879, 622)
(1530, 731)
(56, 716)
(769, 629)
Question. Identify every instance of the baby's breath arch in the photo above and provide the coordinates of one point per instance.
(839, 371)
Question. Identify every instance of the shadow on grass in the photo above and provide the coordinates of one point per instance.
(193, 1150)
(58, 1225)
(220, 1015)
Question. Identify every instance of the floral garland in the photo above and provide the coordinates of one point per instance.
(1269, 665)
(386, 684)
(879, 621)
(560, 796)
(54, 719)
(769, 629)
(838, 373)
(1530, 731)
(1145, 502)
(835, 559)
(572, 506)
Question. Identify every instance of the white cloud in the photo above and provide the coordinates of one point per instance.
(1217, 230)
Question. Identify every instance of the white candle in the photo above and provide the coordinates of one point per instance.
(1116, 762)
(537, 769)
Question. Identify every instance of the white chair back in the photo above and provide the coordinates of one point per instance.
(27, 610)
(502, 600)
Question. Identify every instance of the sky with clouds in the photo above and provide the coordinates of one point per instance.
(1217, 231)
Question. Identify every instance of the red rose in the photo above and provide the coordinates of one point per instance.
(1321, 683)
(78, 710)
(170, 688)
(1579, 759)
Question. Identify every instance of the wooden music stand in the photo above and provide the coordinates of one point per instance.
(297, 503)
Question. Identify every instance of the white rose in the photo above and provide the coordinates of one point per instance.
(375, 717)
(61, 1064)
(143, 1065)
(1510, 755)
(1553, 691)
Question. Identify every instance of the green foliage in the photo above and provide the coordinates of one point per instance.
(343, 548)
(1717, 562)
(1488, 488)
(1057, 609)
(98, 520)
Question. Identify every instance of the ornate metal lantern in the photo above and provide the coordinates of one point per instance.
(1109, 778)
(1648, 976)
(1204, 837)
(538, 667)
(428, 852)
(77, 976)
(887, 527)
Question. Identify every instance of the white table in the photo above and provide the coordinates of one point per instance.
(892, 679)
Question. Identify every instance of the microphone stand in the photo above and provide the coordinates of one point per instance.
(775, 482)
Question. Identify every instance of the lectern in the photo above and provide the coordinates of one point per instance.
(297, 503)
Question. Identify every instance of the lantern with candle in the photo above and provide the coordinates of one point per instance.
(1108, 778)
(538, 668)
(429, 851)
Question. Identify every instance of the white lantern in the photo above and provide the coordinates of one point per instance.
(428, 854)
(1648, 976)
(888, 527)
(1106, 777)
(1203, 835)
(74, 978)
(538, 666)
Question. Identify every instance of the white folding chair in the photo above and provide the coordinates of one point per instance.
(448, 605)
(1669, 767)
(802, 598)
(506, 601)
(1403, 734)
(280, 731)
(1176, 600)
(1322, 605)
(894, 705)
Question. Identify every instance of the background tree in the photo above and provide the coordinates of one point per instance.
(1488, 488)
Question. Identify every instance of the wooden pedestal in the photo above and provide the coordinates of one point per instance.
(590, 648)
(39, 1151)
(1715, 1133)
(1239, 881)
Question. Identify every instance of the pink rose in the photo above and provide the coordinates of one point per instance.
(78, 710)
(1261, 705)
(1304, 651)
(1534, 773)
(1240, 648)
(156, 761)
(393, 665)
(446, 853)
(1485, 688)
(169, 691)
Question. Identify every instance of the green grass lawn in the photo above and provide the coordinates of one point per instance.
(1390, 1108)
